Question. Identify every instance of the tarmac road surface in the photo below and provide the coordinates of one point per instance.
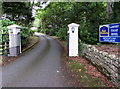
(40, 67)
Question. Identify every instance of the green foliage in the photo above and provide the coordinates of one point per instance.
(0, 36)
(32, 32)
(46, 31)
(62, 33)
(57, 15)
(36, 23)
(21, 12)
(25, 34)
(85, 79)
(81, 47)
(3, 28)
(50, 32)
(4, 24)
(116, 12)
(76, 66)
(99, 43)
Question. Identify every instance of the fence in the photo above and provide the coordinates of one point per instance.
(4, 45)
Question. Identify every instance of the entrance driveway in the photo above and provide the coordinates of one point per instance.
(41, 67)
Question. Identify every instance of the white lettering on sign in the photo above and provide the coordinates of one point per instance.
(112, 40)
(114, 30)
(114, 34)
(109, 38)
(106, 38)
(114, 26)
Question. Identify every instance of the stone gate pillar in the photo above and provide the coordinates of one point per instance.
(14, 40)
(73, 39)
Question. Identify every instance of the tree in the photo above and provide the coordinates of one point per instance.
(0, 8)
(57, 15)
(116, 12)
(21, 12)
(109, 9)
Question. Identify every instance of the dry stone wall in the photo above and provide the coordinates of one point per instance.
(108, 64)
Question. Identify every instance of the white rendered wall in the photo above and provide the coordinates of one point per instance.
(14, 39)
(73, 40)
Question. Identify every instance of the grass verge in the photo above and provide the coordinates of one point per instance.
(86, 73)
(84, 78)
(33, 40)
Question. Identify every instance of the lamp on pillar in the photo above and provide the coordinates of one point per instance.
(73, 29)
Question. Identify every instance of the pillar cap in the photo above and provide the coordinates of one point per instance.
(73, 25)
(13, 26)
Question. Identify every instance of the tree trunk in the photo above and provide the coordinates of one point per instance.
(109, 8)
(1, 8)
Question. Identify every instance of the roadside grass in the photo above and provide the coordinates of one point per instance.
(33, 40)
(84, 78)
(0, 60)
(78, 68)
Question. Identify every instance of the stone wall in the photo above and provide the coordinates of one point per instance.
(108, 64)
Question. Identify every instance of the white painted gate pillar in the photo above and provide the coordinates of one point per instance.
(73, 39)
(14, 40)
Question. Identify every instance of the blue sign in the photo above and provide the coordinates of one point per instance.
(110, 33)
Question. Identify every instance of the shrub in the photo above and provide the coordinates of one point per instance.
(52, 32)
(46, 31)
(32, 32)
(0, 36)
(62, 33)
(3, 28)
(5, 23)
(25, 34)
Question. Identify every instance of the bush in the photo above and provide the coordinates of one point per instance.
(89, 34)
(25, 34)
(4, 24)
(0, 36)
(3, 28)
(24, 31)
(62, 33)
(32, 32)
(46, 31)
(52, 32)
